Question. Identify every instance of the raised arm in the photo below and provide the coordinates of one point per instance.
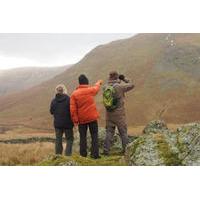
(127, 86)
(73, 110)
(95, 89)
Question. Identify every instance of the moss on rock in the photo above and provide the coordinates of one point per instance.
(161, 146)
(189, 143)
(165, 151)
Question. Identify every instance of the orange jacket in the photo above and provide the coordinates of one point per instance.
(82, 105)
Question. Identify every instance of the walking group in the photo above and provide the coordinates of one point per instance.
(80, 110)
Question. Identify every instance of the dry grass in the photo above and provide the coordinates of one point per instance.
(173, 126)
(24, 154)
(34, 153)
(136, 130)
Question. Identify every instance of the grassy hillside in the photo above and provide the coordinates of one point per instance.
(164, 67)
(14, 80)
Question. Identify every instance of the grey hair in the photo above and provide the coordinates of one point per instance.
(61, 89)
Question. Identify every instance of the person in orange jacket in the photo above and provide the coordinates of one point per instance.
(84, 114)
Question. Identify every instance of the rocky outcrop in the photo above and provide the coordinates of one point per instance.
(189, 144)
(161, 146)
(155, 127)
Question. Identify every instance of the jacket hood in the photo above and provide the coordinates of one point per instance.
(61, 97)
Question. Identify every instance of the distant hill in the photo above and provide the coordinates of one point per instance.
(165, 69)
(14, 80)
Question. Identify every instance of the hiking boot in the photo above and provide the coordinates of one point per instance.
(123, 152)
(95, 157)
(105, 153)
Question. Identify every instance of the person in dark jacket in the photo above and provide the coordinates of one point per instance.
(60, 109)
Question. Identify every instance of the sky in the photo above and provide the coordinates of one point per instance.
(47, 50)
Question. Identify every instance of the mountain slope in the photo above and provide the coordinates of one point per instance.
(14, 80)
(164, 67)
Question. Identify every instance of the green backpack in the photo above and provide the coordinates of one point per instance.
(109, 98)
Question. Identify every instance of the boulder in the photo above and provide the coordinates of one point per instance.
(189, 143)
(165, 147)
(152, 150)
(155, 127)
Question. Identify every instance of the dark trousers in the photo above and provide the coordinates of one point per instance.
(93, 127)
(69, 136)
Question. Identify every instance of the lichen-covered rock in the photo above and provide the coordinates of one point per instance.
(151, 150)
(189, 143)
(165, 147)
(156, 126)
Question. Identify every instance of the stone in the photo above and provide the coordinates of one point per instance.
(155, 127)
(189, 143)
(159, 146)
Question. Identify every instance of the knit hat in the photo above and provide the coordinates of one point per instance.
(83, 80)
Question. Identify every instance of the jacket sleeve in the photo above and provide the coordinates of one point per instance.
(127, 86)
(52, 107)
(95, 89)
(73, 109)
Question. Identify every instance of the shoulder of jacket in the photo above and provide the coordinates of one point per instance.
(74, 93)
(67, 96)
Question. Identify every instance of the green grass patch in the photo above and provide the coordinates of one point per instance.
(76, 160)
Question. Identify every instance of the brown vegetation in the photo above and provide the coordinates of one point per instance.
(24, 154)
(166, 79)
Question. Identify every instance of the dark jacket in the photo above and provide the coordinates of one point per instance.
(60, 109)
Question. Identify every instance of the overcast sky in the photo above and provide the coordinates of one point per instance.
(24, 50)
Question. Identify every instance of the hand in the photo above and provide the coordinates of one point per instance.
(100, 82)
(121, 77)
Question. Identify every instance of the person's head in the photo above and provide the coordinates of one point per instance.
(113, 75)
(83, 80)
(61, 89)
